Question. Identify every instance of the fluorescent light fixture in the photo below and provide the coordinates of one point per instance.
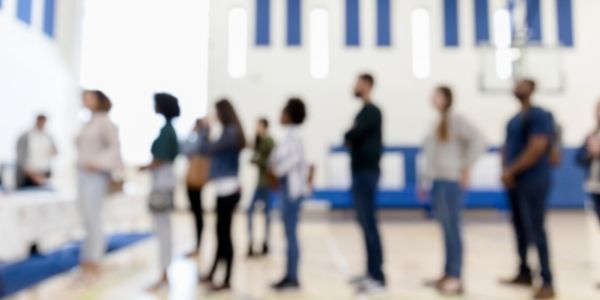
(421, 43)
(319, 43)
(237, 46)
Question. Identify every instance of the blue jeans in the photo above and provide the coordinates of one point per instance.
(364, 191)
(596, 198)
(262, 193)
(290, 213)
(528, 203)
(447, 205)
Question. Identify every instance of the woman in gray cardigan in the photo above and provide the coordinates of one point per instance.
(450, 150)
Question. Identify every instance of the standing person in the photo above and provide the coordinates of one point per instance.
(99, 156)
(263, 146)
(35, 150)
(588, 156)
(197, 176)
(527, 177)
(165, 149)
(450, 151)
(225, 155)
(366, 147)
(288, 164)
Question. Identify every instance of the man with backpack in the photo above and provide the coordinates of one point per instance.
(529, 153)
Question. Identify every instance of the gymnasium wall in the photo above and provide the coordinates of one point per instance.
(278, 68)
(38, 63)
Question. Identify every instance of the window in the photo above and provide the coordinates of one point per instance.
(421, 43)
(238, 42)
(502, 41)
(319, 43)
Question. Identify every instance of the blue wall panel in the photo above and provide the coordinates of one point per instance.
(534, 21)
(567, 191)
(451, 32)
(263, 23)
(352, 23)
(384, 36)
(49, 17)
(24, 10)
(482, 22)
(294, 22)
(564, 10)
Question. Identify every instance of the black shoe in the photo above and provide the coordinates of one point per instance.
(265, 249)
(220, 288)
(519, 280)
(250, 251)
(286, 284)
(205, 280)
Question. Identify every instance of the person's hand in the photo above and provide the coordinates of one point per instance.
(422, 194)
(144, 168)
(508, 179)
(91, 168)
(593, 145)
(465, 179)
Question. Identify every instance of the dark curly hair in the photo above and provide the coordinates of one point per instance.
(167, 105)
(296, 111)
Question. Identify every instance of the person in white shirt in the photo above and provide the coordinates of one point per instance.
(35, 150)
(288, 164)
(98, 157)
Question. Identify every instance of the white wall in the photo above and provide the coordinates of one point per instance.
(277, 72)
(36, 77)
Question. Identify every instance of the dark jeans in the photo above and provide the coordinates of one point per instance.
(364, 191)
(262, 193)
(447, 206)
(290, 212)
(528, 203)
(195, 197)
(225, 208)
(596, 198)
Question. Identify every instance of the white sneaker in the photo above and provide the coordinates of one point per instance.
(371, 288)
(358, 280)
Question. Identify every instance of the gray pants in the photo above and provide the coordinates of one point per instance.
(93, 190)
(162, 228)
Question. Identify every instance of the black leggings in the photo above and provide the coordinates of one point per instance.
(225, 208)
(195, 197)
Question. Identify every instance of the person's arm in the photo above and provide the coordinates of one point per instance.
(264, 152)
(285, 157)
(474, 146)
(53, 148)
(583, 157)
(109, 159)
(537, 146)
(363, 126)
(156, 163)
(425, 176)
(229, 140)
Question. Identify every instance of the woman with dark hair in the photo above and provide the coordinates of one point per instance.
(450, 150)
(99, 156)
(225, 154)
(165, 149)
(263, 147)
(288, 164)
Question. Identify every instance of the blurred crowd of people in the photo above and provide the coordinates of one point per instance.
(530, 152)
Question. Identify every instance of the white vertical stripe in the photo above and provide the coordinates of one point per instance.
(37, 15)
(368, 21)
(549, 22)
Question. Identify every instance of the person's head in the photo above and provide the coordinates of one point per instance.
(442, 100)
(262, 127)
(364, 85)
(524, 89)
(40, 122)
(294, 112)
(228, 117)
(96, 101)
(166, 105)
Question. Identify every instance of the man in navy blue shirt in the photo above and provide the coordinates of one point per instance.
(527, 177)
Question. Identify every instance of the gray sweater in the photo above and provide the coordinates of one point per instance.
(446, 160)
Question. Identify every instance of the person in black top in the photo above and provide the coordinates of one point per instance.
(364, 140)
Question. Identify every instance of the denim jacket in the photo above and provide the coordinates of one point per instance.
(224, 152)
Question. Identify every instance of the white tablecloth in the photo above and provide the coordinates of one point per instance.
(32, 216)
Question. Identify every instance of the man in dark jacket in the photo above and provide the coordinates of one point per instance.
(364, 140)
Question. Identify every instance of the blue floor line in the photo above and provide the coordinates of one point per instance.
(20, 275)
